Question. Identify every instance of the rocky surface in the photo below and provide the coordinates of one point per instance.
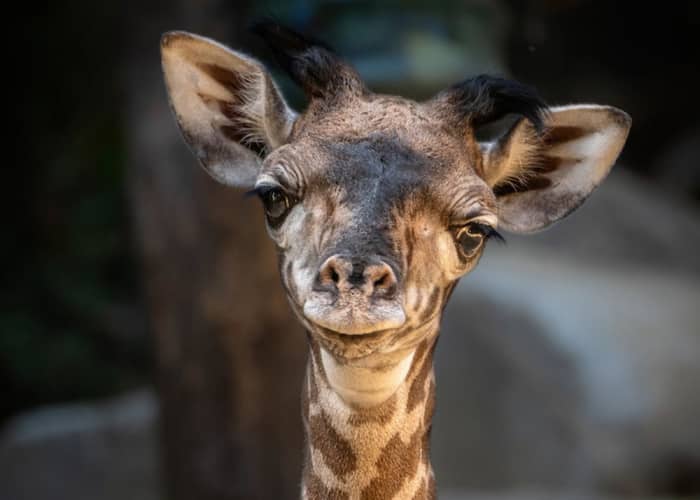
(90, 451)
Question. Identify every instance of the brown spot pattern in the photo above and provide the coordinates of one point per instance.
(429, 406)
(316, 489)
(337, 452)
(313, 387)
(421, 493)
(427, 422)
(381, 414)
(432, 304)
(408, 245)
(397, 462)
(416, 393)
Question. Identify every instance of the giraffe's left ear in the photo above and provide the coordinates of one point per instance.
(539, 178)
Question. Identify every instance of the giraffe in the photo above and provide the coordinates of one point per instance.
(378, 205)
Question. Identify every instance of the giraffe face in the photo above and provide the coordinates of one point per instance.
(379, 204)
(376, 214)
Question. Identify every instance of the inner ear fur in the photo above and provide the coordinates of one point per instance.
(539, 178)
(228, 108)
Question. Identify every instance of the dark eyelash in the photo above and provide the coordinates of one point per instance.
(489, 232)
(261, 191)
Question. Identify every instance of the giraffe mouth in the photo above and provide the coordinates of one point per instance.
(353, 338)
(352, 346)
(348, 317)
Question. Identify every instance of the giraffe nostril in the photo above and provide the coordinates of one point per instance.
(333, 273)
(382, 280)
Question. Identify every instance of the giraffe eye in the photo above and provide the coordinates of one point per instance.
(469, 239)
(277, 204)
(471, 236)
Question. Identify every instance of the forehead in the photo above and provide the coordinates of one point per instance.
(385, 120)
(383, 144)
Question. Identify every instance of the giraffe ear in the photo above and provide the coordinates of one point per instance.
(539, 178)
(228, 108)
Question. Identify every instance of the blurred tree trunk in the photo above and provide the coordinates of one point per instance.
(229, 354)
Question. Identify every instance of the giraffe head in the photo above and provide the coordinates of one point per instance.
(379, 204)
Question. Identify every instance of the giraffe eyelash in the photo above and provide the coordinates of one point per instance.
(262, 190)
(489, 232)
(486, 230)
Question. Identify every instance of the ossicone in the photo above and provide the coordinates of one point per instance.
(312, 64)
(484, 99)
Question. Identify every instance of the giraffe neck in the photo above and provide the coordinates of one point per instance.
(365, 440)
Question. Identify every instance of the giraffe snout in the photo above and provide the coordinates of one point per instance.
(373, 278)
(355, 296)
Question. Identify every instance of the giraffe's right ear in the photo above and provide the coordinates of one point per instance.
(228, 108)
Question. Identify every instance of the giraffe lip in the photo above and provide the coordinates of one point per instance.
(352, 337)
(349, 346)
(346, 318)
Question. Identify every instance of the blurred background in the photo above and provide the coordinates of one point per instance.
(146, 350)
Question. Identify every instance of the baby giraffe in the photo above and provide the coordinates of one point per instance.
(378, 205)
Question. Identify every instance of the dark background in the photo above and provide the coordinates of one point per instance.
(125, 268)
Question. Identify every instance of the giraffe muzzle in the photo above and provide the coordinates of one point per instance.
(355, 296)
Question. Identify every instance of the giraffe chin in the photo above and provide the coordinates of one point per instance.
(352, 332)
